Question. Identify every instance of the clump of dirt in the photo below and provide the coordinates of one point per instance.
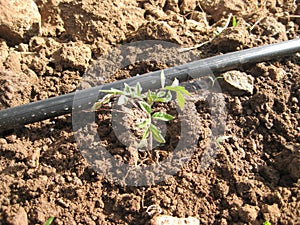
(254, 176)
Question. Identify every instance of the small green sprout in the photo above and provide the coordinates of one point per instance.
(213, 80)
(144, 102)
(49, 221)
(267, 223)
(234, 21)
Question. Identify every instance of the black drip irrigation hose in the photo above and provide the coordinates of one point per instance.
(37, 111)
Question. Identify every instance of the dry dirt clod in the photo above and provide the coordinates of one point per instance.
(271, 213)
(33, 159)
(71, 57)
(248, 213)
(19, 20)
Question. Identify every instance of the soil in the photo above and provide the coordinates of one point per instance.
(256, 173)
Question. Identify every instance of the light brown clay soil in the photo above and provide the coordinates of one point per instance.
(255, 176)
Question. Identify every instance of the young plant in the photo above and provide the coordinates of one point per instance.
(145, 102)
(234, 21)
(213, 80)
(266, 223)
(49, 221)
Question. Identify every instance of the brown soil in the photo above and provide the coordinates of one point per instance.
(255, 176)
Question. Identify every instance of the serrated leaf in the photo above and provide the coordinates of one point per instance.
(145, 107)
(162, 116)
(49, 221)
(162, 79)
(143, 124)
(156, 134)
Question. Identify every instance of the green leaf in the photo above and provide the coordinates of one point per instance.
(180, 100)
(49, 221)
(156, 134)
(178, 89)
(168, 96)
(149, 97)
(144, 123)
(162, 116)
(266, 223)
(145, 106)
(113, 91)
(162, 79)
(103, 101)
(138, 89)
(146, 134)
(127, 89)
(96, 106)
(183, 90)
(161, 94)
(234, 22)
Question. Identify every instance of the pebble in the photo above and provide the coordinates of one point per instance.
(238, 83)
(19, 21)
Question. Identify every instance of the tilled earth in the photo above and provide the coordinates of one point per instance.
(255, 176)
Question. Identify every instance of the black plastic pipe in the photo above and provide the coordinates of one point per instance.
(56, 106)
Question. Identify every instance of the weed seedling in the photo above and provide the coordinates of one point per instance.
(267, 223)
(49, 221)
(213, 80)
(234, 21)
(145, 102)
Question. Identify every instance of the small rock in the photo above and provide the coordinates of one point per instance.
(17, 216)
(248, 213)
(238, 82)
(19, 20)
(170, 220)
(276, 74)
